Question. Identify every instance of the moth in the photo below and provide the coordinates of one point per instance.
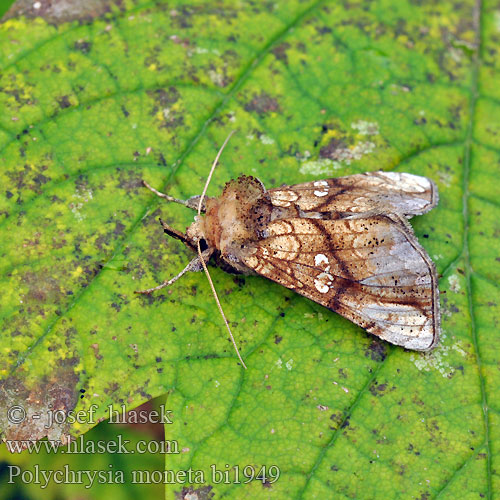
(344, 243)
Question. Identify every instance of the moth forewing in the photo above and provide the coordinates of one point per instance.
(370, 270)
(374, 192)
(344, 243)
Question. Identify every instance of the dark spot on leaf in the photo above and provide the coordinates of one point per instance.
(39, 180)
(333, 149)
(113, 387)
(277, 339)
(377, 350)
(412, 449)
(239, 280)
(161, 160)
(28, 177)
(83, 46)
(20, 97)
(337, 419)
(377, 389)
(163, 98)
(280, 52)
(119, 228)
(64, 102)
(262, 103)
(129, 180)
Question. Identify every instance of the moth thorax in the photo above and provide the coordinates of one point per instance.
(230, 221)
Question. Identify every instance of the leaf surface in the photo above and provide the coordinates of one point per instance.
(149, 90)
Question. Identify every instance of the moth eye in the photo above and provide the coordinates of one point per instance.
(203, 244)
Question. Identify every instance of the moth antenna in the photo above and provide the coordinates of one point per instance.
(217, 298)
(214, 164)
(200, 204)
(194, 265)
(167, 196)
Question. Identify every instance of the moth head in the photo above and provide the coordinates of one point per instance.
(205, 228)
(196, 231)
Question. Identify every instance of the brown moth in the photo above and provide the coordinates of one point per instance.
(345, 243)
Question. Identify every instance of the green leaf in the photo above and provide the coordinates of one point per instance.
(4, 6)
(149, 90)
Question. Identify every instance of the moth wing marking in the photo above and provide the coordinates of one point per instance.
(373, 192)
(370, 270)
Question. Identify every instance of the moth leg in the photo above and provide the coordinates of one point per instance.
(194, 265)
(191, 203)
